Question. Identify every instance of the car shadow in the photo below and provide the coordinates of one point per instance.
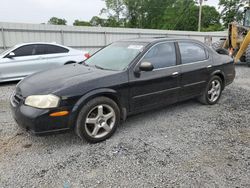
(155, 113)
(71, 139)
(11, 83)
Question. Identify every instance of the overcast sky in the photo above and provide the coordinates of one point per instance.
(40, 11)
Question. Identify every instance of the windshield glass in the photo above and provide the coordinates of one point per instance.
(116, 56)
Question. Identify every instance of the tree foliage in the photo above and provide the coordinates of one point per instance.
(231, 11)
(100, 22)
(57, 21)
(81, 23)
(158, 14)
(114, 9)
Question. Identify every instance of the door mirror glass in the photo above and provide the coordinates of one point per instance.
(146, 66)
(11, 55)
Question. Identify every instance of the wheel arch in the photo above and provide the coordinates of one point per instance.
(69, 62)
(104, 92)
(220, 74)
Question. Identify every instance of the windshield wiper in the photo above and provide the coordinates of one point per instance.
(98, 67)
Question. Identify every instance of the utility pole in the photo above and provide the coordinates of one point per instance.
(200, 13)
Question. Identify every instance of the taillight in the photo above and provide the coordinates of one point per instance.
(87, 55)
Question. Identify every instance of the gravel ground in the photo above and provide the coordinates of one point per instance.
(183, 145)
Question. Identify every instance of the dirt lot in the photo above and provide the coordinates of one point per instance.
(183, 145)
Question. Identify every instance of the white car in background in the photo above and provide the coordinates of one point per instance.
(25, 59)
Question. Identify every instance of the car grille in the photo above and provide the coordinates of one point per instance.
(17, 98)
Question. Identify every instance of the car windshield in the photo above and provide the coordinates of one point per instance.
(116, 56)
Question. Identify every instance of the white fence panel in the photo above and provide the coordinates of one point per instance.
(86, 38)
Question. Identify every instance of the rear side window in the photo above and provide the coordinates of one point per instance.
(191, 52)
(52, 49)
(40, 49)
(26, 50)
(161, 56)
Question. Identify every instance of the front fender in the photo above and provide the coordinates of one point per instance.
(94, 93)
(88, 96)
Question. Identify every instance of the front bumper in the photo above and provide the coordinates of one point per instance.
(38, 121)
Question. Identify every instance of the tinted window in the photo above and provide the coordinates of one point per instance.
(25, 50)
(40, 49)
(191, 52)
(161, 55)
(52, 49)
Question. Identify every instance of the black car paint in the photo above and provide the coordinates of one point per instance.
(132, 90)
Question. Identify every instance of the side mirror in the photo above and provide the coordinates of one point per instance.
(11, 55)
(146, 66)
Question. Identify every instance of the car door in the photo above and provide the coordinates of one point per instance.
(195, 66)
(56, 55)
(26, 61)
(158, 87)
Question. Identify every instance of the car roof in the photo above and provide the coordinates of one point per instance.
(157, 39)
(50, 43)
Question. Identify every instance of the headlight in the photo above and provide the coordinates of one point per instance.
(42, 101)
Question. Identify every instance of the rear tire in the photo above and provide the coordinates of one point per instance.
(212, 92)
(98, 120)
(247, 57)
(243, 58)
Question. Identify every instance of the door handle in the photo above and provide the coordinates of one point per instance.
(175, 74)
(209, 66)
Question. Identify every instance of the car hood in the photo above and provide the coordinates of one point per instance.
(55, 80)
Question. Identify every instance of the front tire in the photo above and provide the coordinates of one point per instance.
(213, 91)
(98, 120)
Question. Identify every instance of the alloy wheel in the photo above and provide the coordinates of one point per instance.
(100, 121)
(214, 91)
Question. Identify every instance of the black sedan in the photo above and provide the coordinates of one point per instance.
(124, 78)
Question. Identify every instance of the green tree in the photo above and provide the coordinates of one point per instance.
(97, 21)
(183, 15)
(57, 21)
(231, 11)
(114, 9)
(210, 19)
(158, 14)
(81, 23)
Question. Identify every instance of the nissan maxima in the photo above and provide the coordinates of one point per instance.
(123, 78)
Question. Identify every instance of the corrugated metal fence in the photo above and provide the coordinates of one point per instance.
(87, 38)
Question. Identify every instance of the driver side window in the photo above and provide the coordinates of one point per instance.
(25, 50)
(161, 56)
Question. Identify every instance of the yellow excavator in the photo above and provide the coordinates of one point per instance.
(237, 44)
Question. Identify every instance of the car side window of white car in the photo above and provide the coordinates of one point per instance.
(53, 49)
(26, 50)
